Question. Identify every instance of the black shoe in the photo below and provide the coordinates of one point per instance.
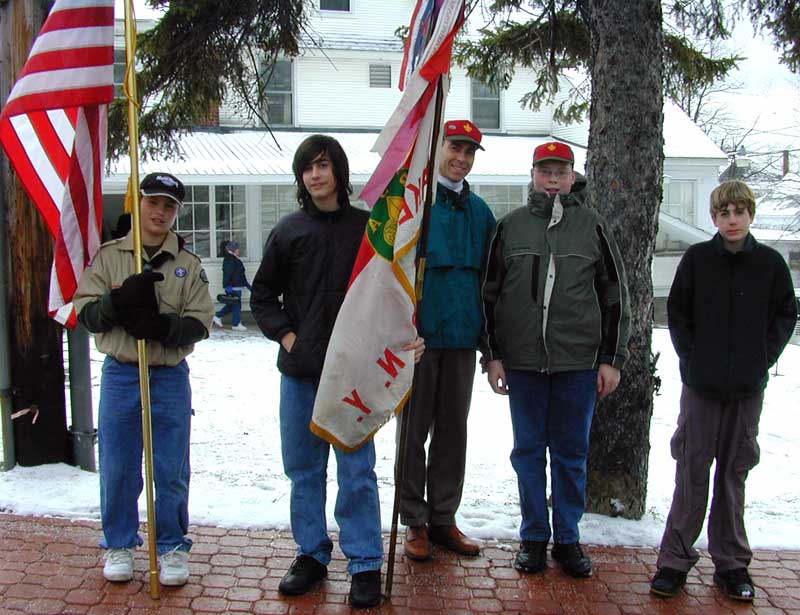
(304, 572)
(667, 582)
(737, 584)
(365, 589)
(572, 559)
(532, 556)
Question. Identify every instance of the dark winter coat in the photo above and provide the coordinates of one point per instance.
(233, 273)
(461, 226)
(555, 294)
(302, 280)
(730, 316)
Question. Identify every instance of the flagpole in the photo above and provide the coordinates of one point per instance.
(421, 255)
(144, 375)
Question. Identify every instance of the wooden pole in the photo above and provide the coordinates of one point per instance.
(144, 374)
(406, 413)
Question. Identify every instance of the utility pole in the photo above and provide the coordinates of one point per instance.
(36, 341)
(785, 163)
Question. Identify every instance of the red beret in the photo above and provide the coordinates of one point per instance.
(553, 151)
(463, 130)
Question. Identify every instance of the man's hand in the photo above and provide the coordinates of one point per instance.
(288, 340)
(497, 377)
(148, 327)
(607, 380)
(418, 346)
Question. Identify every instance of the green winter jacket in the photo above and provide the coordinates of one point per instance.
(555, 296)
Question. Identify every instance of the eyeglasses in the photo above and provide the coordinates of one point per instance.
(560, 174)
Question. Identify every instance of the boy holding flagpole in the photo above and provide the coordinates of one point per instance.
(168, 305)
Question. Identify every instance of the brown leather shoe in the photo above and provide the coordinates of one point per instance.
(417, 546)
(452, 538)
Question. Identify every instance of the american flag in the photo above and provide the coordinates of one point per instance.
(54, 128)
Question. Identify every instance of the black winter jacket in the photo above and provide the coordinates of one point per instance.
(730, 316)
(233, 273)
(302, 281)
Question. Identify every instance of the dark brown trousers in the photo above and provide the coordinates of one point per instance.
(440, 406)
(710, 430)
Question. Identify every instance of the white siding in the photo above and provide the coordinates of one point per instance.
(335, 92)
(367, 17)
(515, 118)
(458, 106)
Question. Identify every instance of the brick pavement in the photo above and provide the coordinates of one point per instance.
(53, 566)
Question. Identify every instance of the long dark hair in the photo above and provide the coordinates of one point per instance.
(307, 151)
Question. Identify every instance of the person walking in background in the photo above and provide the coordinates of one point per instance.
(461, 225)
(169, 306)
(297, 292)
(234, 279)
(556, 339)
(731, 311)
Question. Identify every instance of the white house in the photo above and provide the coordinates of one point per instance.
(777, 221)
(239, 178)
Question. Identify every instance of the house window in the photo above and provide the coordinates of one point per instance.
(334, 5)
(120, 64)
(279, 94)
(485, 106)
(501, 198)
(276, 201)
(678, 200)
(205, 234)
(231, 217)
(380, 75)
(794, 260)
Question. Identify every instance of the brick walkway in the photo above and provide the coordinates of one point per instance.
(53, 566)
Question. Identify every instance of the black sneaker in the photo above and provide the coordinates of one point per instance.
(572, 559)
(532, 556)
(365, 589)
(737, 584)
(667, 582)
(304, 572)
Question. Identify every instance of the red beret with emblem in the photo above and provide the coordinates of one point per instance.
(463, 130)
(553, 151)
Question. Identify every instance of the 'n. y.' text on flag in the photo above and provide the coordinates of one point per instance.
(54, 129)
(367, 375)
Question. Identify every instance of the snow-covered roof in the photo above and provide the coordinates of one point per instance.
(683, 138)
(353, 42)
(254, 156)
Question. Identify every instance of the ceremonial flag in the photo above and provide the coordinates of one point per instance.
(54, 131)
(367, 376)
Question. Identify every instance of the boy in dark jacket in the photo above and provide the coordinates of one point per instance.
(731, 310)
(557, 321)
(234, 279)
(296, 296)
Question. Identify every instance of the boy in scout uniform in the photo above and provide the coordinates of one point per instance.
(168, 305)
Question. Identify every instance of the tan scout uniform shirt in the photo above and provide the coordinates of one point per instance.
(184, 291)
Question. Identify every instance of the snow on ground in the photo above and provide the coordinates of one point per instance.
(237, 478)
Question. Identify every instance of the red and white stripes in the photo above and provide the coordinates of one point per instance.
(53, 129)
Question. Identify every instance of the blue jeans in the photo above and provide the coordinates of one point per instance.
(120, 444)
(234, 310)
(551, 411)
(305, 462)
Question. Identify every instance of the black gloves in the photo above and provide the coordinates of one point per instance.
(148, 327)
(136, 295)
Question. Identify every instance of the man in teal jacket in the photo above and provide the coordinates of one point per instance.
(450, 320)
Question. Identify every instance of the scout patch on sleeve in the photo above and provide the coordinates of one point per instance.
(203, 276)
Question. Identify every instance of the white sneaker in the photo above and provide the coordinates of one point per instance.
(239, 327)
(119, 565)
(217, 321)
(173, 567)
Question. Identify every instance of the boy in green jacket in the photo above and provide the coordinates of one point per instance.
(557, 321)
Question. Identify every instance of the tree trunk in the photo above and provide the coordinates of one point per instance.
(37, 367)
(625, 162)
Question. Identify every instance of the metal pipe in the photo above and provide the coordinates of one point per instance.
(82, 430)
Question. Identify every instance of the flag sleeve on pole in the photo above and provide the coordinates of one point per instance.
(53, 129)
(367, 375)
